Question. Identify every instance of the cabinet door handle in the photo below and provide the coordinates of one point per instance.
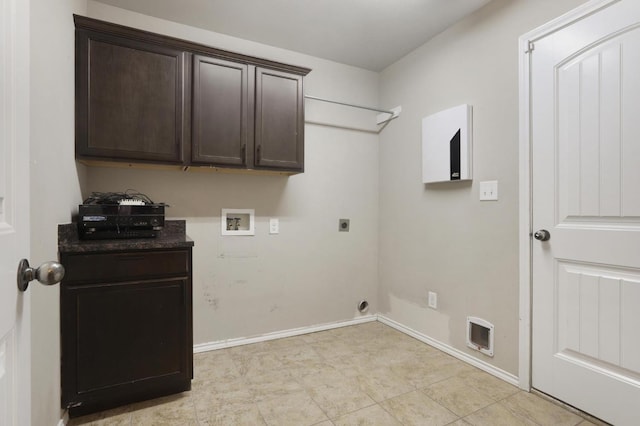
(244, 154)
(259, 154)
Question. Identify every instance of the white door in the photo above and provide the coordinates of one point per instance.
(585, 94)
(15, 407)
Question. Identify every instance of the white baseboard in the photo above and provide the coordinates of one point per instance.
(229, 343)
(462, 356)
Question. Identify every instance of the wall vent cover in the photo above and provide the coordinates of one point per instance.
(480, 335)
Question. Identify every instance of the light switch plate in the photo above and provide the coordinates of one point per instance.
(433, 300)
(274, 226)
(489, 190)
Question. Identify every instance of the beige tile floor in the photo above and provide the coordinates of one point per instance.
(367, 374)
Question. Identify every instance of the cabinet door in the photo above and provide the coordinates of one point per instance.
(219, 116)
(129, 99)
(124, 340)
(279, 121)
(126, 327)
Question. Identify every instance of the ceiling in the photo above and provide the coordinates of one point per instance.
(370, 34)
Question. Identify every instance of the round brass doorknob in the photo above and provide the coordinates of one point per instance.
(49, 273)
(542, 235)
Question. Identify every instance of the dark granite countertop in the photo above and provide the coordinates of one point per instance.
(172, 236)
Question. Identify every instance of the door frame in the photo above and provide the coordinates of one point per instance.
(526, 46)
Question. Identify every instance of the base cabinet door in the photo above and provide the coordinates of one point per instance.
(279, 120)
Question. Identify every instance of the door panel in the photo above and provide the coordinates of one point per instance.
(15, 405)
(7, 397)
(585, 96)
(598, 173)
(595, 315)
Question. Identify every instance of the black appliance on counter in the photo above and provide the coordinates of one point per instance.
(115, 215)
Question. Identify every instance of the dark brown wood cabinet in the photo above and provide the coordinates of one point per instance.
(126, 327)
(255, 123)
(279, 120)
(220, 123)
(130, 99)
(146, 98)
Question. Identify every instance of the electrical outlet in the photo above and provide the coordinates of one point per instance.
(433, 300)
(274, 226)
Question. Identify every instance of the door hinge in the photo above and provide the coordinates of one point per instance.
(530, 47)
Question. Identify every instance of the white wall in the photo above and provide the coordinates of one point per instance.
(308, 274)
(55, 188)
(440, 237)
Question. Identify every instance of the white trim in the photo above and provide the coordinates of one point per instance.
(462, 356)
(579, 13)
(525, 206)
(65, 418)
(229, 343)
(524, 226)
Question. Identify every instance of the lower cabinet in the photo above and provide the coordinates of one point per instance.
(126, 327)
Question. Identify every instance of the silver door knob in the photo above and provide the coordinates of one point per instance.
(542, 235)
(49, 273)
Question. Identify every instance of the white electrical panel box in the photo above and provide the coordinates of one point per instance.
(446, 145)
(274, 225)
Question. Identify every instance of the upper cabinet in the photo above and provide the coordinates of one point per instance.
(279, 118)
(147, 98)
(129, 102)
(220, 124)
